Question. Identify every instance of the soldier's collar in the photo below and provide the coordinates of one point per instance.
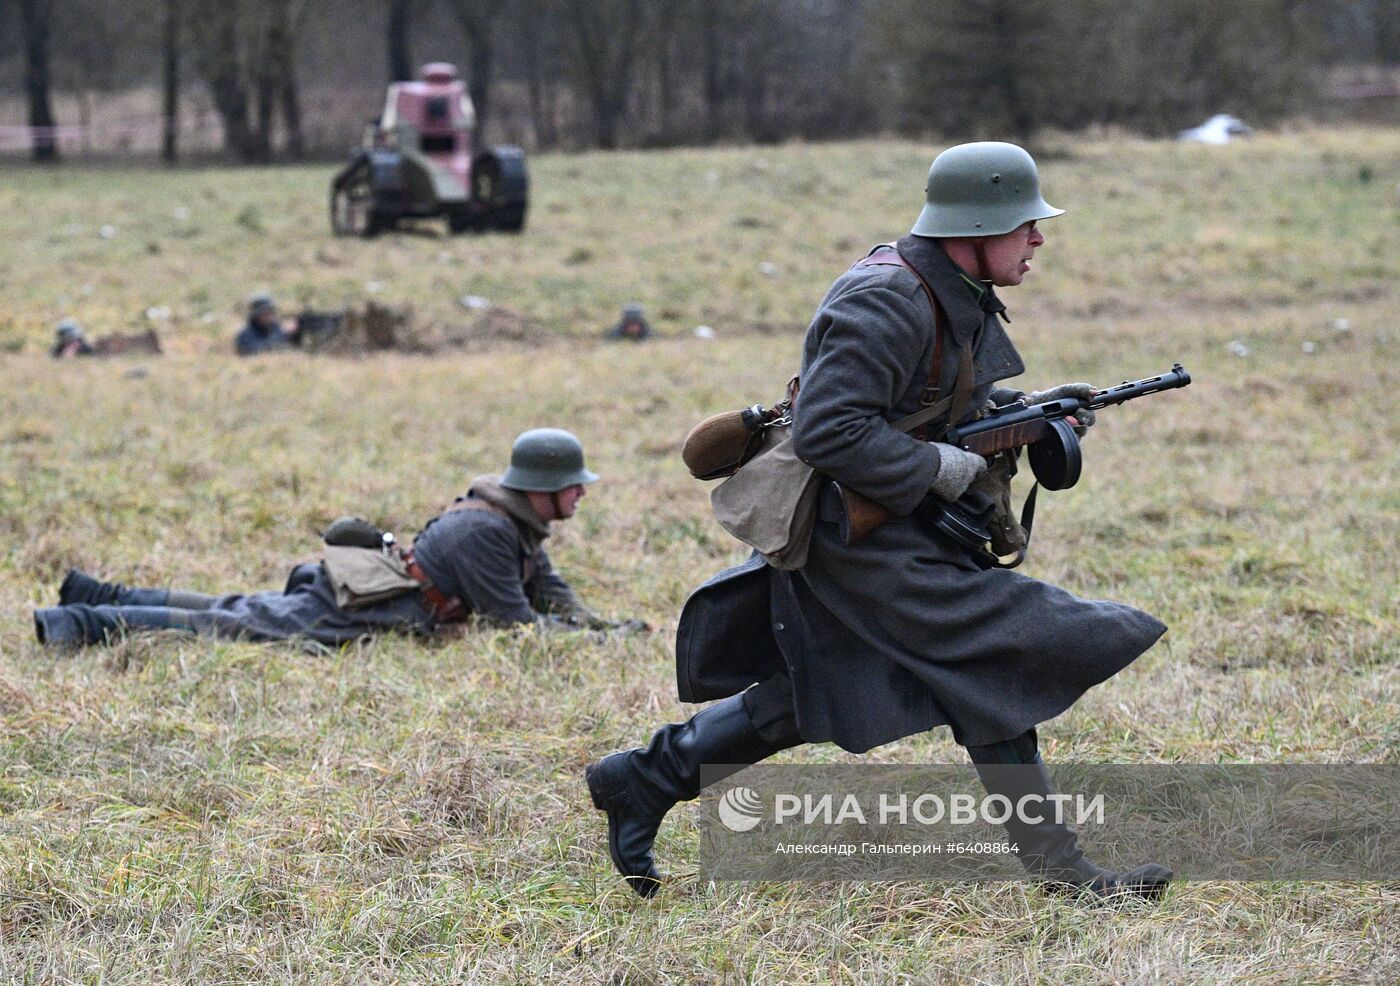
(513, 502)
(950, 283)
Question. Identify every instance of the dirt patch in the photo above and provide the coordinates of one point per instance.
(135, 344)
(379, 328)
(490, 328)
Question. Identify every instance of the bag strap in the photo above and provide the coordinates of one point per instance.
(888, 255)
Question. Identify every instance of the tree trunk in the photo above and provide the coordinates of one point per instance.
(478, 20)
(35, 19)
(400, 24)
(606, 33)
(170, 43)
(539, 75)
(265, 105)
(713, 46)
(667, 15)
(231, 101)
(291, 116)
(481, 65)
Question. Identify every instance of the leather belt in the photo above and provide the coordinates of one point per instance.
(446, 609)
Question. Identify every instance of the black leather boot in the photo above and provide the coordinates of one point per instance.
(81, 588)
(1049, 850)
(637, 787)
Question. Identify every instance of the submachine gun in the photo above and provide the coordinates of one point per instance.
(1051, 443)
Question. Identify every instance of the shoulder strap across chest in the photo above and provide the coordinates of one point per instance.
(888, 255)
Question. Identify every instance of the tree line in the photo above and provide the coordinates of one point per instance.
(610, 73)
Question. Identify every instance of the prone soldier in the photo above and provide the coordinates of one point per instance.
(264, 332)
(631, 327)
(69, 341)
(481, 557)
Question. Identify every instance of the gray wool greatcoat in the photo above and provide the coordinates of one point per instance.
(903, 631)
(494, 562)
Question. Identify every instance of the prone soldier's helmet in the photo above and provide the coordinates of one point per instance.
(260, 303)
(68, 329)
(546, 460)
(985, 188)
(633, 312)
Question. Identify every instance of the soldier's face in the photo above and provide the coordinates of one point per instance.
(566, 501)
(1009, 255)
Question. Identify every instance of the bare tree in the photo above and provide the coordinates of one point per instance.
(36, 20)
(170, 81)
(478, 19)
(540, 55)
(669, 22)
(714, 42)
(399, 36)
(272, 36)
(767, 26)
(289, 95)
(220, 51)
(604, 35)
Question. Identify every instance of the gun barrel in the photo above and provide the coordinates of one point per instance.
(1173, 378)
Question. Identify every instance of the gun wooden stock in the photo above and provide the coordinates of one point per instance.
(863, 514)
(989, 443)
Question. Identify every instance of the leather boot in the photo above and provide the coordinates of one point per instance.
(1049, 850)
(81, 588)
(78, 625)
(637, 787)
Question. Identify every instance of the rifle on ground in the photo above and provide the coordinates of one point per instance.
(1042, 429)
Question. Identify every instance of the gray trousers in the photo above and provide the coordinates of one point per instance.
(305, 609)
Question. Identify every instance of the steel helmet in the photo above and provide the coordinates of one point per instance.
(985, 188)
(546, 460)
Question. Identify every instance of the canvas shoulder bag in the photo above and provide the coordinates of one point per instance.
(364, 576)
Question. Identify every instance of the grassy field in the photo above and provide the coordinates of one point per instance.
(176, 811)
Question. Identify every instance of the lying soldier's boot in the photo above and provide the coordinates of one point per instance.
(79, 588)
(1049, 850)
(78, 625)
(637, 787)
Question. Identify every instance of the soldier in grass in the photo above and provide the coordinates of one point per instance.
(631, 327)
(264, 332)
(69, 340)
(917, 625)
(482, 557)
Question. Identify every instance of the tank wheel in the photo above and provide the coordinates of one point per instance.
(352, 207)
(500, 188)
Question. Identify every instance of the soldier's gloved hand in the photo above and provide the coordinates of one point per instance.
(957, 470)
(1084, 418)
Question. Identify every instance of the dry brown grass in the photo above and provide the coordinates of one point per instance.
(182, 811)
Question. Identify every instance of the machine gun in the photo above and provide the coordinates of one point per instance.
(1051, 443)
